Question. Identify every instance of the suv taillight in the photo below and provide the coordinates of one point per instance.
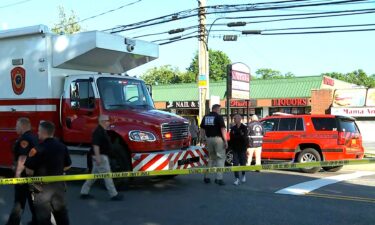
(341, 140)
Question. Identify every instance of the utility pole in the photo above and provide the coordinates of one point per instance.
(203, 76)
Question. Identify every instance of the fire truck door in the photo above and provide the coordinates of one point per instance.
(80, 111)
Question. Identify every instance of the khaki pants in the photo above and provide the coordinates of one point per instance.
(104, 167)
(258, 152)
(216, 154)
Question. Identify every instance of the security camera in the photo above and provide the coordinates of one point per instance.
(130, 48)
(129, 44)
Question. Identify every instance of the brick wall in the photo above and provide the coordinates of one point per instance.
(321, 100)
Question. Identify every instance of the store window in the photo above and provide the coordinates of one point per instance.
(290, 110)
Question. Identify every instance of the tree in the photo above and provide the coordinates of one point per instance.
(266, 73)
(162, 75)
(67, 24)
(358, 77)
(218, 62)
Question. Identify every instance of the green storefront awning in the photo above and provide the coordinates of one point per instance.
(297, 87)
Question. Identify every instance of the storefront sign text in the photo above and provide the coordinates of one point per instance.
(289, 102)
(242, 104)
(239, 81)
(354, 112)
(182, 104)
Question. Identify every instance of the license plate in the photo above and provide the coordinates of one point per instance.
(188, 161)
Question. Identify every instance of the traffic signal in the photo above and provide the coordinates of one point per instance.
(230, 38)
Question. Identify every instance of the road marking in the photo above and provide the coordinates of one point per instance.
(309, 186)
(342, 197)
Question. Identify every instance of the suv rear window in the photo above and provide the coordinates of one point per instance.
(324, 124)
(348, 126)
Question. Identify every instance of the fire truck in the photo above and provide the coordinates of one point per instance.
(71, 80)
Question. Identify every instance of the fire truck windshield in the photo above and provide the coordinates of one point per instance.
(122, 93)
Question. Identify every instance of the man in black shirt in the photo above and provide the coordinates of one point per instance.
(214, 137)
(238, 143)
(101, 148)
(50, 158)
(26, 141)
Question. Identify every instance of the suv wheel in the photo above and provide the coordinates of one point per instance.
(332, 168)
(309, 155)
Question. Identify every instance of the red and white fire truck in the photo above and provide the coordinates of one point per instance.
(72, 79)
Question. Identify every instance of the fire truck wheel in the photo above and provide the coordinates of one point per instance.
(332, 168)
(309, 155)
(120, 159)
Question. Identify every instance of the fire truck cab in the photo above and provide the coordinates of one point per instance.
(71, 80)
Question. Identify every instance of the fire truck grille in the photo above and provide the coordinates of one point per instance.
(174, 131)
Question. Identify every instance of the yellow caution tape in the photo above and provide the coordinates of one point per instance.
(48, 179)
(369, 155)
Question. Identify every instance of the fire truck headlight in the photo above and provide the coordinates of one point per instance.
(141, 136)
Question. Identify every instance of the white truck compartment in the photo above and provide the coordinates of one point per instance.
(101, 52)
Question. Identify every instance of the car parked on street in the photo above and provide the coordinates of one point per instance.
(309, 138)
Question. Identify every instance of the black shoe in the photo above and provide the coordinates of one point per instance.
(118, 197)
(86, 196)
(207, 180)
(219, 182)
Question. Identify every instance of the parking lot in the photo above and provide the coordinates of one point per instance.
(187, 200)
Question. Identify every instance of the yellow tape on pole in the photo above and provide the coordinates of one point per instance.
(48, 179)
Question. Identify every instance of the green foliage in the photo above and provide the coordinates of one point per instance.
(167, 75)
(218, 62)
(266, 73)
(358, 77)
(67, 24)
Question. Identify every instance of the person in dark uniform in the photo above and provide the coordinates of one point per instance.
(238, 143)
(213, 134)
(102, 147)
(50, 158)
(26, 141)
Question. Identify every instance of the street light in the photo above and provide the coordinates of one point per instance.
(231, 24)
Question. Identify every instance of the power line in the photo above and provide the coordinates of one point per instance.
(322, 32)
(318, 15)
(322, 27)
(279, 29)
(175, 37)
(177, 16)
(181, 39)
(281, 33)
(13, 4)
(101, 14)
(245, 7)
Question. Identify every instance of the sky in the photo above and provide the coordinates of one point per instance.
(302, 55)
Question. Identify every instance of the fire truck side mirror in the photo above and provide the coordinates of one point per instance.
(149, 89)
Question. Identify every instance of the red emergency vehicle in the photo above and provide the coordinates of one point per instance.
(308, 138)
(71, 80)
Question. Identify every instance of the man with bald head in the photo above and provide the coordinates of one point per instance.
(102, 147)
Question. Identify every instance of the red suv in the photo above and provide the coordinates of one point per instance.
(306, 138)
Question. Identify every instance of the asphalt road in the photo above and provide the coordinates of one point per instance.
(187, 200)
